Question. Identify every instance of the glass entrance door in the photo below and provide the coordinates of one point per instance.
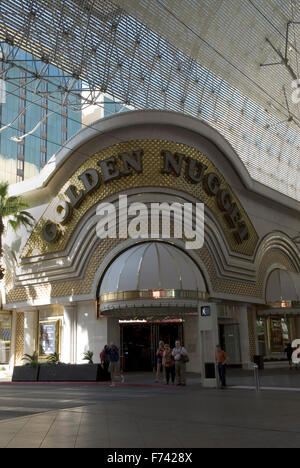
(136, 347)
(139, 343)
(167, 332)
(230, 342)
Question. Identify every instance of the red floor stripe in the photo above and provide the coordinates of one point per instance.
(105, 384)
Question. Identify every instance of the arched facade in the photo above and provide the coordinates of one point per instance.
(53, 278)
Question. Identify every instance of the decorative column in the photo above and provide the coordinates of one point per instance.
(244, 336)
(209, 337)
(30, 331)
(13, 341)
(19, 338)
(298, 327)
(253, 332)
(69, 334)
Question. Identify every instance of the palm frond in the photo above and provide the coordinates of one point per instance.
(13, 208)
(53, 359)
(4, 189)
(10, 207)
(32, 360)
(88, 356)
(22, 219)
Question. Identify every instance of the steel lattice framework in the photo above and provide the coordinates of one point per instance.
(231, 63)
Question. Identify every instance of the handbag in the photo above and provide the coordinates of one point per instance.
(185, 358)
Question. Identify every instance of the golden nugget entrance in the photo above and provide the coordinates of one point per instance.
(139, 342)
(147, 293)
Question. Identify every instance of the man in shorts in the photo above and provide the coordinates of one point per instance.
(114, 364)
(180, 356)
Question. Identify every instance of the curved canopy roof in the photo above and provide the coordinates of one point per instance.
(152, 266)
(227, 62)
(283, 286)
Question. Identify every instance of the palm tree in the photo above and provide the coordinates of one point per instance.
(31, 359)
(14, 209)
(88, 356)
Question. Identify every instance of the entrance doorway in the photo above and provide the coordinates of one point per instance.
(230, 342)
(139, 342)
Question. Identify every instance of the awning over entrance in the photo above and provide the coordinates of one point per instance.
(152, 274)
(282, 294)
(283, 286)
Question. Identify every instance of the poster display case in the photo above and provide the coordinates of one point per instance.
(49, 338)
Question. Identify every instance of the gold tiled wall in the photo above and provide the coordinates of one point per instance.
(19, 343)
(151, 176)
(84, 286)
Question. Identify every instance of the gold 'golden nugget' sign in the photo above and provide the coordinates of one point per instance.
(134, 164)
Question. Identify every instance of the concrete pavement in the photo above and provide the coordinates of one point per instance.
(81, 416)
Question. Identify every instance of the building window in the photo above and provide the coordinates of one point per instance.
(5, 338)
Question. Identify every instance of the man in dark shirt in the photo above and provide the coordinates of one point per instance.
(114, 364)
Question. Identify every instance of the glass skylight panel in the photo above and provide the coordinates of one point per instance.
(143, 65)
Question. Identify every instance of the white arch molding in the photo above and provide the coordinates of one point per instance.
(116, 128)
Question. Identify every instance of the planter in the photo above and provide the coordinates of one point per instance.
(72, 373)
(25, 374)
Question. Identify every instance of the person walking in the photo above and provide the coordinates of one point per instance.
(289, 353)
(114, 364)
(104, 358)
(159, 360)
(221, 360)
(169, 364)
(180, 355)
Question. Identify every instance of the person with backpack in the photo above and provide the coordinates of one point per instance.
(104, 358)
(114, 364)
(180, 355)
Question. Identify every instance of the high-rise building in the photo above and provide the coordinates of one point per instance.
(35, 121)
(105, 105)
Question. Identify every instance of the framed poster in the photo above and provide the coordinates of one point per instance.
(276, 335)
(49, 338)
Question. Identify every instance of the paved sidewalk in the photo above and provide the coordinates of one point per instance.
(90, 416)
(279, 378)
(5, 376)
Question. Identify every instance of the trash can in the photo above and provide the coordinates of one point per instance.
(210, 370)
(259, 361)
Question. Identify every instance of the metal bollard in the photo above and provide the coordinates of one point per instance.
(256, 378)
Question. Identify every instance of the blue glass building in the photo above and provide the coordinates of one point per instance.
(35, 108)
